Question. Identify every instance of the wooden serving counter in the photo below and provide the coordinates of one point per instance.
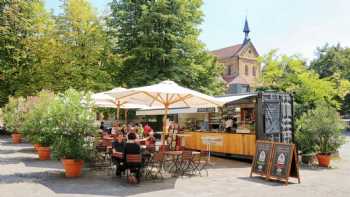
(232, 143)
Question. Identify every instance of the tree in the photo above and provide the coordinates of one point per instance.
(158, 40)
(291, 74)
(16, 20)
(79, 60)
(334, 62)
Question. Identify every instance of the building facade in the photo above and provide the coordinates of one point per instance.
(242, 70)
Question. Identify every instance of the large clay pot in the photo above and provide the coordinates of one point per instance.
(72, 167)
(324, 159)
(16, 138)
(36, 146)
(44, 153)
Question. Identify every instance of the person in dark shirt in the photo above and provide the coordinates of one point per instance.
(118, 147)
(102, 126)
(132, 148)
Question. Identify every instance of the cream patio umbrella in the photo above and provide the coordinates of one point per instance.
(106, 101)
(166, 94)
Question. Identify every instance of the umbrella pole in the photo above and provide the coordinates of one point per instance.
(165, 129)
(118, 111)
(126, 116)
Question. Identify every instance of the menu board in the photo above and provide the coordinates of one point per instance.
(272, 113)
(281, 160)
(262, 158)
(275, 161)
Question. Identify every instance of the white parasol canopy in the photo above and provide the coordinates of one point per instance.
(166, 94)
(106, 101)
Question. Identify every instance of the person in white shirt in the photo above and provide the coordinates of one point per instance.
(228, 124)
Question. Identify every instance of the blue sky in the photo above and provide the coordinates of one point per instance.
(292, 26)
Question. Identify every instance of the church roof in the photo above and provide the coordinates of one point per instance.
(239, 80)
(227, 51)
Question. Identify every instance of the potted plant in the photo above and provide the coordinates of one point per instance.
(35, 124)
(324, 129)
(13, 117)
(72, 120)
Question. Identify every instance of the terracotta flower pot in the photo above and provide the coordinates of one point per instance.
(16, 138)
(36, 146)
(44, 153)
(324, 160)
(72, 167)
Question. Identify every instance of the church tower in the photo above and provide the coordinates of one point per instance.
(242, 70)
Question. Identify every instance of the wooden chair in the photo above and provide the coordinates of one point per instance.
(133, 163)
(187, 164)
(156, 164)
(201, 162)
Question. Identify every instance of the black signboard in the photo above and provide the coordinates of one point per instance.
(262, 158)
(272, 115)
(281, 160)
(275, 161)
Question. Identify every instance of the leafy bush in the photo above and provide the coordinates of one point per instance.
(71, 119)
(320, 130)
(13, 113)
(35, 126)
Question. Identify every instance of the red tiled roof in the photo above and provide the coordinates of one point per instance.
(226, 52)
(239, 80)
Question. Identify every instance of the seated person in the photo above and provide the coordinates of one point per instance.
(118, 146)
(151, 140)
(115, 128)
(132, 148)
(132, 130)
(146, 130)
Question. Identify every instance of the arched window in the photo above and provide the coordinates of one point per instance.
(254, 71)
(246, 70)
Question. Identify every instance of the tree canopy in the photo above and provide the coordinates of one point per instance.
(158, 40)
(334, 61)
(141, 42)
(291, 74)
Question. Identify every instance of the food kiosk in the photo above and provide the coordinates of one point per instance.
(252, 116)
(260, 116)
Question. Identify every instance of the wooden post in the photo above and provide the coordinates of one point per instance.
(126, 116)
(118, 111)
(165, 129)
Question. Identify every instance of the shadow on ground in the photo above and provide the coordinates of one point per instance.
(263, 181)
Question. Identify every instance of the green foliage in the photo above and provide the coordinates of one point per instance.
(334, 62)
(320, 130)
(71, 119)
(291, 74)
(41, 51)
(13, 113)
(35, 125)
(158, 40)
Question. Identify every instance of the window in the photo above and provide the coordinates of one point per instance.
(254, 71)
(229, 70)
(246, 70)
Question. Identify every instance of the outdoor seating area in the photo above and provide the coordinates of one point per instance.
(154, 162)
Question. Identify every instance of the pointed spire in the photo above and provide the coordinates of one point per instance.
(246, 31)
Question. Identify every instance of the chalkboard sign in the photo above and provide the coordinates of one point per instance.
(262, 158)
(284, 162)
(281, 160)
(275, 161)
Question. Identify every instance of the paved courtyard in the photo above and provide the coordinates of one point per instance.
(22, 175)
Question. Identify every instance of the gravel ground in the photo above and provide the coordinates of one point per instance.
(23, 175)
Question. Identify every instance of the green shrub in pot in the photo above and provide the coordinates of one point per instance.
(320, 130)
(72, 120)
(13, 115)
(35, 125)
